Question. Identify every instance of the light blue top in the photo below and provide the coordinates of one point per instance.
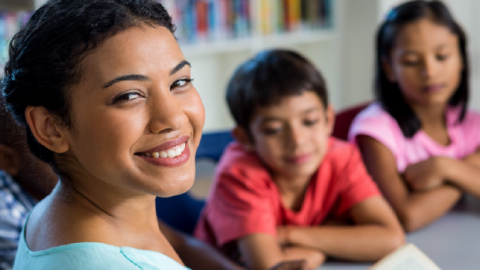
(85, 256)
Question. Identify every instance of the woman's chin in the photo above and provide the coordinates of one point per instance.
(177, 188)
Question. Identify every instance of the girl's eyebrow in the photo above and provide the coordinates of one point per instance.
(131, 77)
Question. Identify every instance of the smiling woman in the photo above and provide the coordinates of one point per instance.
(105, 95)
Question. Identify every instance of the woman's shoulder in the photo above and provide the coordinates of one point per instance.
(79, 256)
(89, 255)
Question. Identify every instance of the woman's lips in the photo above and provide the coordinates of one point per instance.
(169, 154)
(168, 161)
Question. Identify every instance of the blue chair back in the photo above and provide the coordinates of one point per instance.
(182, 211)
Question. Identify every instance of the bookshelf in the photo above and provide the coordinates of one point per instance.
(261, 24)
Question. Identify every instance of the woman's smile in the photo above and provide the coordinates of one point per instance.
(169, 154)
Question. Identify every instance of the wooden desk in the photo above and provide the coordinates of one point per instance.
(452, 242)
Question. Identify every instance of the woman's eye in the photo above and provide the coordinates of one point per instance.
(442, 57)
(310, 122)
(126, 97)
(181, 83)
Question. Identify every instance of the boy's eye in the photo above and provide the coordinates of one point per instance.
(180, 83)
(271, 131)
(310, 122)
(126, 97)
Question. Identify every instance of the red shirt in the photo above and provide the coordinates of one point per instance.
(245, 200)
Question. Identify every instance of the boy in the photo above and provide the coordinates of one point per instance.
(282, 183)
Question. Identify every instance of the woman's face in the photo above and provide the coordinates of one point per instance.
(137, 118)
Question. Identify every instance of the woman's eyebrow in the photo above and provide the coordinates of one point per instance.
(180, 66)
(131, 77)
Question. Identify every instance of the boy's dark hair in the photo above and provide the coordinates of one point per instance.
(388, 93)
(267, 78)
(45, 55)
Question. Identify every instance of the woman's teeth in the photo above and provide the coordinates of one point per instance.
(170, 153)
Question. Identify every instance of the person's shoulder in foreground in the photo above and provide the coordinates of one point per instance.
(89, 255)
(277, 186)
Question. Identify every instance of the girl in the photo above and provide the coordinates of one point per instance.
(419, 141)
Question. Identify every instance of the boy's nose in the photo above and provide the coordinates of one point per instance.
(296, 137)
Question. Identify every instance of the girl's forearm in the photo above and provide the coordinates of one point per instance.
(359, 242)
(421, 208)
(464, 175)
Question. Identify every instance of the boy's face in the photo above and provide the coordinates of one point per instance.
(292, 136)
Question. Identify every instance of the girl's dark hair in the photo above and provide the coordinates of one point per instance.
(388, 93)
(45, 55)
(267, 78)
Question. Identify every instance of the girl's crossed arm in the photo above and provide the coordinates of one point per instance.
(414, 209)
(435, 171)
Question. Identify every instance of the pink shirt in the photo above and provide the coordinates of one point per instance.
(380, 125)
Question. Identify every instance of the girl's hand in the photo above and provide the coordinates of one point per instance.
(426, 175)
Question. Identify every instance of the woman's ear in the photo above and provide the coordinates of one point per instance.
(45, 129)
(241, 135)
(330, 115)
(387, 68)
(9, 160)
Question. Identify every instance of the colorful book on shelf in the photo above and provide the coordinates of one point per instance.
(210, 20)
(407, 257)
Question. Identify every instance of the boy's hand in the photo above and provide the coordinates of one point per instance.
(314, 258)
(282, 235)
(427, 174)
(291, 265)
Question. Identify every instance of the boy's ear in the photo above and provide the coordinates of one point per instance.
(9, 160)
(241, 135)
(387, 68)
(330, 114)
(46, 130)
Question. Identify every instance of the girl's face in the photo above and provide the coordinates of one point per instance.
(426, 63)
(137, 118)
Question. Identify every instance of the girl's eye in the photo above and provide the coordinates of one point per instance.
(180, 83)
(411, 63)
(126, 97)
(310, 122)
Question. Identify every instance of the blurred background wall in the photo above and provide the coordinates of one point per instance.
(336, 35)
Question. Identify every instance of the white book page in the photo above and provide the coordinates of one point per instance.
(407, 257)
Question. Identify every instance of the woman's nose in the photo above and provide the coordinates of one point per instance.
(166, 114)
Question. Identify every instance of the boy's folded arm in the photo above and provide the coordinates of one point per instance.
(262, 251)
(375, 234)
(416, 209)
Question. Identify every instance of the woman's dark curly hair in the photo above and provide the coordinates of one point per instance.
(45, 55)
(388, 93)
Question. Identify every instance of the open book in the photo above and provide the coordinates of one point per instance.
(407, 257)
